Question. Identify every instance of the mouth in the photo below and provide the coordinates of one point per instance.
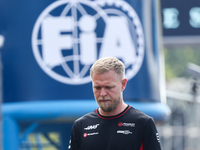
(104, 101)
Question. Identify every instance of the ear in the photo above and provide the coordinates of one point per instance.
(124, 82)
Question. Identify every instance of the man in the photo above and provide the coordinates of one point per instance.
(114, 125)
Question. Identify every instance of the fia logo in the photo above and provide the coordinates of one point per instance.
(70, 35)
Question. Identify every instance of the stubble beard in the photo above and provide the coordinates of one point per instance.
(109, 106)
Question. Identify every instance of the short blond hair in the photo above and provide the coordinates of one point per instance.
(106, 64)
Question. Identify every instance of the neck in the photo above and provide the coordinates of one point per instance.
(115, 112)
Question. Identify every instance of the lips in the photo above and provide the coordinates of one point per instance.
(104, 101)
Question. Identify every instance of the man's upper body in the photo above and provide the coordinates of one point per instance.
(129, 130)
(114, 125)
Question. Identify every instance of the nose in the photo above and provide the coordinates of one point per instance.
(103, 92)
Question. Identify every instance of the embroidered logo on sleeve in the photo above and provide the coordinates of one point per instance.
(157, 136)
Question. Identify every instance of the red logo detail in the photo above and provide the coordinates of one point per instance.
(85, 134)
(120, 124)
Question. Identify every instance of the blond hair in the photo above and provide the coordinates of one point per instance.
(106, 64)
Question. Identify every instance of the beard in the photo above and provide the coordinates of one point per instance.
(108, 106)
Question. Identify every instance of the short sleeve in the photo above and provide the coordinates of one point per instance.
(150, 138)
(74, 139)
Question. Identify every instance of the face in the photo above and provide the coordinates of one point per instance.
(108, 88)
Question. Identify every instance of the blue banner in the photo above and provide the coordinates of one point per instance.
(50, 46)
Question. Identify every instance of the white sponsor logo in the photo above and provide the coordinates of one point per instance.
(69, 144)
(70, 35)
(92, 127)
(124, 132)
(157, 137)
(89, 134)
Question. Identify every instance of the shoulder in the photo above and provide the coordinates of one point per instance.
(142, 120)
(86, 117)
(139, 116)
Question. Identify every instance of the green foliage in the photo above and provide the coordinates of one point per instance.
(176, 61)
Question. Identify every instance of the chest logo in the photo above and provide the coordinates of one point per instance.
(124, 132)
(120, 124)
(90, 134)
(92, 127)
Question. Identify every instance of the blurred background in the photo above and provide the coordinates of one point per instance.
(181, 51)
(29, 95)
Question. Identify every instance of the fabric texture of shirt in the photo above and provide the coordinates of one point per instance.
(129, 130)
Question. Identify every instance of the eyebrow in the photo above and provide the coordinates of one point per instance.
(104, 86)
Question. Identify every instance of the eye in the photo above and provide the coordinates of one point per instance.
(97, 87)
(109, 87)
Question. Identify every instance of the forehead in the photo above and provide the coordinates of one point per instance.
(109, 77)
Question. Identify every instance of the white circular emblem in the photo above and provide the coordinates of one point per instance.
(70, 35)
